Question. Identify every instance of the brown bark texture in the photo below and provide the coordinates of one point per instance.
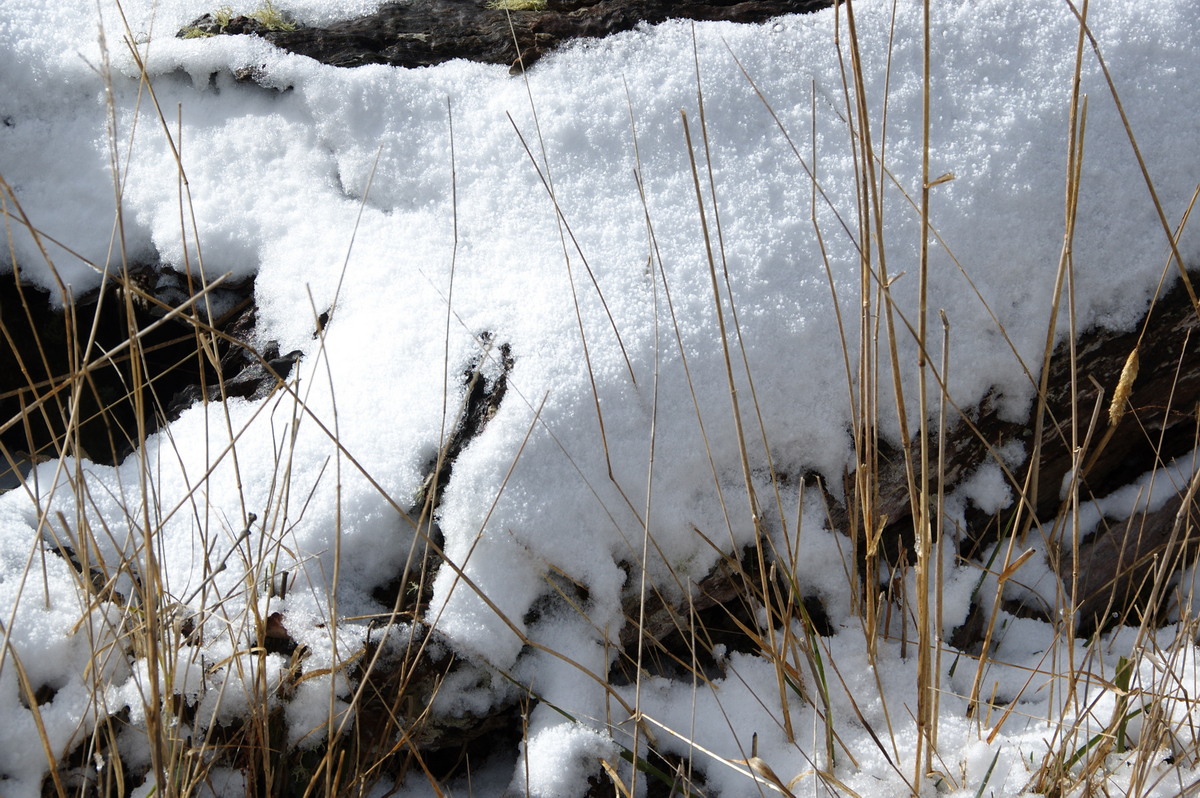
(427, 32)
(1118, 564)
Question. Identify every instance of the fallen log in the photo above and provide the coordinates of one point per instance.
(1155, 423)
(512, 32)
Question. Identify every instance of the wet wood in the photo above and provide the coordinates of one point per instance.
(1159, 424)
(428, 32)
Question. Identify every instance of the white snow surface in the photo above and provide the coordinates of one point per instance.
(406, 200)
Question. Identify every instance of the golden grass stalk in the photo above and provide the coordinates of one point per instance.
(1120, 400)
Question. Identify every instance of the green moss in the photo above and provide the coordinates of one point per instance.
(270, 18)
(267, 16)
(209, 25)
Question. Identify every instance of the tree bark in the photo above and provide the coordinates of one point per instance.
(1158, 424)
(428, 32)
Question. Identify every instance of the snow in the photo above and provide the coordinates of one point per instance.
(334, 188)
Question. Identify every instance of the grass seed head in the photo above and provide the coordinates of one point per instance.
(1124, 388)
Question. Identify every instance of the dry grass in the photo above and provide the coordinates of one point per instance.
(381, 734)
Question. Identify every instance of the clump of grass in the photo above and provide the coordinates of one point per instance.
(271, 18)
(267, 16)
(220, 21)
(517, 5)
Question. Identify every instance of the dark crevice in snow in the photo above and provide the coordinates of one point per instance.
(484, 384)
(501, 734)
(93, 767)
(968, 635)
(700, 644)
(45, 344)
(398, 678)
(679, 638)
(97, 581)
(667, 775)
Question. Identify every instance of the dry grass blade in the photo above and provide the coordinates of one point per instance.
(213, 659)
